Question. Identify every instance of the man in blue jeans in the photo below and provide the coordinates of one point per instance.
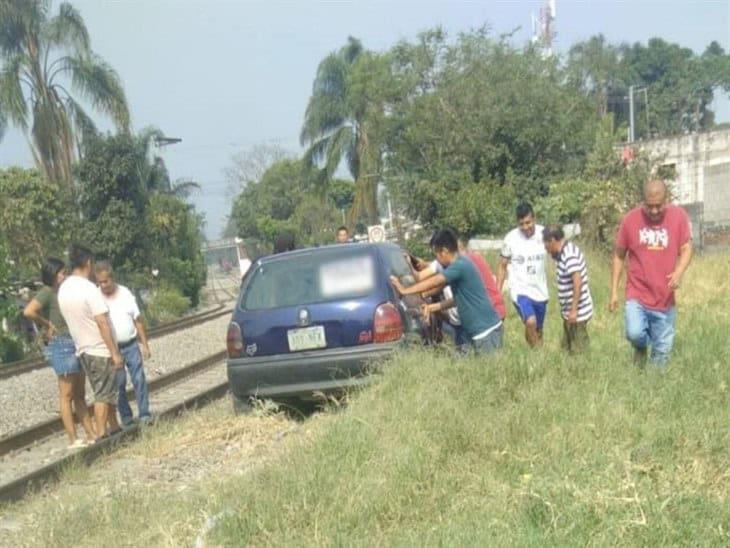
(657, 241)
(132, 341)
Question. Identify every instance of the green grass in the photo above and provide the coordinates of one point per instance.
(528, 448)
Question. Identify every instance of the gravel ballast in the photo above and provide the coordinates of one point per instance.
(31, 398)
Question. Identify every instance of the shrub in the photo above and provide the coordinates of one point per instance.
(166, 304)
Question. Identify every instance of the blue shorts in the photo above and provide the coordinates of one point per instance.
(526, 307)
(61, 356)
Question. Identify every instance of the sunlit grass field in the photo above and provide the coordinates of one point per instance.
(526, 448)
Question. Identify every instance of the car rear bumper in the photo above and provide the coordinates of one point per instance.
(303, 373)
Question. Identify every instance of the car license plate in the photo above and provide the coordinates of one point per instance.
(306, 338)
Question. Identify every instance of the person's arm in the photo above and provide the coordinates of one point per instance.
(424, 273)
(105, 328)
(685, 256)
(502, 272)
(428, 309)
(419, 287)
(33, 310)
(619, 256)
(577, 285)
(142, 334)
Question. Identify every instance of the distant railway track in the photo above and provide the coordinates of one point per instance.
(13, 369)
(24, 455)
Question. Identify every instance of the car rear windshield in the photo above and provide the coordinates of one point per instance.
(320, 276)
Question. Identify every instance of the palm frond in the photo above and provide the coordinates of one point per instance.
(341, 146)
(18, 20)
(183, 189)
(84, 125)
(12, 102)
(67, 29)
(101, 85)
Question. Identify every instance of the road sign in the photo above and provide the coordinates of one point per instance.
(376, 233)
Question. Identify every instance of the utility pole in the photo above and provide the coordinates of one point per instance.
(631, 114)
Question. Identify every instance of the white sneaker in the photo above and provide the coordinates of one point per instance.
(78, 444)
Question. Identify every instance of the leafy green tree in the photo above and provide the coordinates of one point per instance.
(44, 56)
(36, 218)
(468, 121)
(174, 234)
(595, 67)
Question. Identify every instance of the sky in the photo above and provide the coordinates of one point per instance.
(226, 75)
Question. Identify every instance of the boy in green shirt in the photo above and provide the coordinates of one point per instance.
(479, 320)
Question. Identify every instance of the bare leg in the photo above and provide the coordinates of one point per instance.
(65, 396)
(101, 415)
(82, 411)
(532, 335)
(113, 423)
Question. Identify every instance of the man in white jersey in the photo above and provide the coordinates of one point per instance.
(522, 263)
(132, 341)
(574, 295)
(87, 317)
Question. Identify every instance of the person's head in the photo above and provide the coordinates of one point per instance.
(105, 277)
(81, 260)
(655, 199)
(53, 272)
(343, 235)
(285, 242)
(463, 243)
(445, 246)
(525, 219)
(553, 237)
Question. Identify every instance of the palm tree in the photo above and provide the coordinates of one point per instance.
(153, 171)
(336, 128)
(41, 56)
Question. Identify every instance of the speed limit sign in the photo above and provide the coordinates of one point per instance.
(376, 233)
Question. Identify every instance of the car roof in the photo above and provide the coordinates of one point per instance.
(326, 249)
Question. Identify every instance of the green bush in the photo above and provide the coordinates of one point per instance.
(11, 349)
(166, 304)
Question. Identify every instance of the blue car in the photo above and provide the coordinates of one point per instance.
(314, 320)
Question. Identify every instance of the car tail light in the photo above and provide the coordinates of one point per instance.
(234, 341)
(388, 324)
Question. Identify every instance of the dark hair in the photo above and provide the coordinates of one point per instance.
(79, 255)
(523, 210)
(50, 269)
(284, 242)
(445, 238)
(552, 232)
(343, 227)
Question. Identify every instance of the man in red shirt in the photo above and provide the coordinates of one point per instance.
(490, 282)
(657, 239)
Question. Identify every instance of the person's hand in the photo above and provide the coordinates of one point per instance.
(396, 284)
(426, 313)
(613, 302)
(674, 280)
(51, 332)
(145, 349)
(117, 360)
(572, 316)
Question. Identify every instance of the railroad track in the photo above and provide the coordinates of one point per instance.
(37, 456)
(13, 369)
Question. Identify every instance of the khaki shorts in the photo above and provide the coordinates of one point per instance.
(102, 377)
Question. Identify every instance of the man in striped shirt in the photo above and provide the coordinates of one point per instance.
(576, 304)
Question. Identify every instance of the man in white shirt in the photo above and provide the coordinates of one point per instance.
(132, 340)
(87, 317)
(522, 262)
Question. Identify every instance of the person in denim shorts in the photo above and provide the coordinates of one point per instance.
(60, 351)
